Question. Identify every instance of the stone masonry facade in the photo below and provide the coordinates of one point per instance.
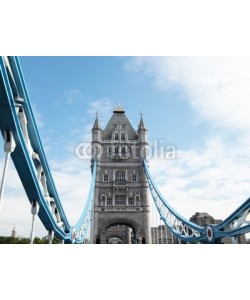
(121, 190)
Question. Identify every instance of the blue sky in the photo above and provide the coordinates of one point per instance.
(200, 105)
(66, 87)
(211, 94)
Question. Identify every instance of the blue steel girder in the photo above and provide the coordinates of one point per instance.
(177, 224)
(29, 158)
(82, 226)
(34, 136)
(236, 224)
(21, 156)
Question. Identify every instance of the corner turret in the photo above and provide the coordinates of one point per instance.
(96, 131)
(142, 131)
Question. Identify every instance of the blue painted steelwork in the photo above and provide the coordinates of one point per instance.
(236, 224)
(16, 116)
(178, 225)
(85, 220)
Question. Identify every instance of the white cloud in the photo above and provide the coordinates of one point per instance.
(16, 210)
(103, 107)
(206, 179)
(72, 95)
(218, 88)
(83, 134)
(72, 178)
(213, 176)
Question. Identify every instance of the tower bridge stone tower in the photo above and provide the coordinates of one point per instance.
(121, 202)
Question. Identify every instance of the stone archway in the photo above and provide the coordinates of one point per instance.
(114, 240)
(138, 234)
(118, 236)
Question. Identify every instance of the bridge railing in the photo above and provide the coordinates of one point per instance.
(17, 121)
(233, 226)
(178, 225)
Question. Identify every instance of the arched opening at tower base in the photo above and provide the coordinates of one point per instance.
(115, 240)
(121, 231)
(119, 234)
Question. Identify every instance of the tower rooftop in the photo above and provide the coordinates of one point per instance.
(118, 109)
(117, 118)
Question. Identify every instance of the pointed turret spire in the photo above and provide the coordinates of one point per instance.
(142, 124)
(97, 123)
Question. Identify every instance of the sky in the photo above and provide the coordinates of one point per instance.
(188, 73)
(198, 105)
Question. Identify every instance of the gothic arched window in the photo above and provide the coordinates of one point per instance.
(131, 201)
(137, 200)
(120, 176)
(116, 150)
(109, 201)
(120, 200)
(116, 136)
(122, 136)
(134, 178)
(103, 200)
(123, 151)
